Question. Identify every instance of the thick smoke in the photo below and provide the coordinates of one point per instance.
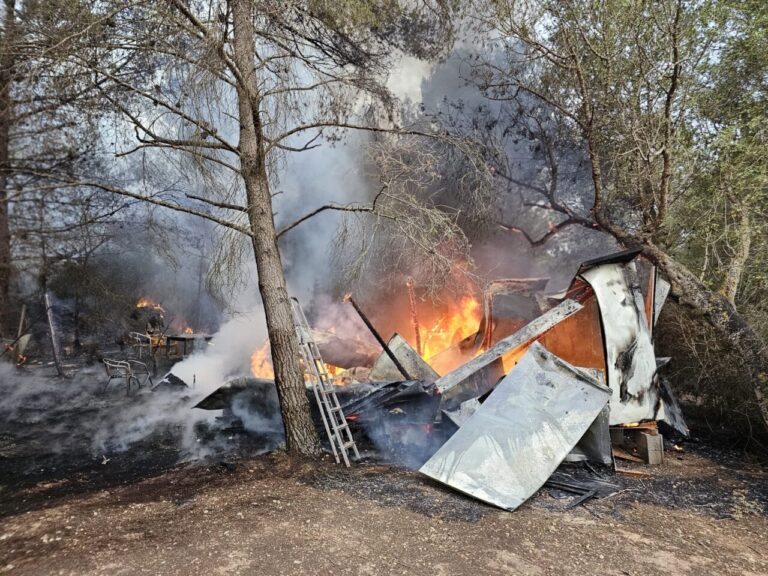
(450, 97)
(331, 173)
(226, 356)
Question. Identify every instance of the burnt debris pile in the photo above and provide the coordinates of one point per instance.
(543, 379)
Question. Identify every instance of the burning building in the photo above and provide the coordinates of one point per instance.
(514, 384)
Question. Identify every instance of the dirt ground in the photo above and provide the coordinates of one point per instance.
(701, 512)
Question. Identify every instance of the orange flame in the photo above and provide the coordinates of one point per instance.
(261, 364)
(453, 324)
(188, 330)
(458, 323)
(145, 302)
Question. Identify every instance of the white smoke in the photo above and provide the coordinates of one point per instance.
(226, 356)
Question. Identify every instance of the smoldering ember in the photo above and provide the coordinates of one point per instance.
(383, 287)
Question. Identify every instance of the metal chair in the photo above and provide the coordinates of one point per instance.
(141, 373)
(129, 371)
(139, 342)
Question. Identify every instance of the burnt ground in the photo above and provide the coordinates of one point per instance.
(72, 502)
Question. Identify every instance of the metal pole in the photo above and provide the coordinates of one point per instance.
(21, 321)
(379, 339)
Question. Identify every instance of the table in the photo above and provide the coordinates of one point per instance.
(184, 339)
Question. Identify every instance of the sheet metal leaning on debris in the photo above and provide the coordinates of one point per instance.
(525, 428)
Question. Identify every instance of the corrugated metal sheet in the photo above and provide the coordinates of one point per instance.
(515, 440)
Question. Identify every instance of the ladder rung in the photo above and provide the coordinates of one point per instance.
(342, 426)
(348, 444)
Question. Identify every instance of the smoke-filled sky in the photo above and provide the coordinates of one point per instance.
(336, 173)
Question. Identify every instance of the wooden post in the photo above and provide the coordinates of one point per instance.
(54, 337)
(21, 321)
(414, 315)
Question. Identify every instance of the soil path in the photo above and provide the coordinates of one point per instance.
(271, 515)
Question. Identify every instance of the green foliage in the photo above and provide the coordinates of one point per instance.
(669, 100)
(730, 141)
(670, 97)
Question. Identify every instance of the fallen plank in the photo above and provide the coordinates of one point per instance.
(650, 425)
(528, 333)
(633, 473)
(622, 454)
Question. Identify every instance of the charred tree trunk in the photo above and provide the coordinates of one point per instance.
(301, 437)
(6, 110)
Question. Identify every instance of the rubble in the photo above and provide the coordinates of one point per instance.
(547, 379)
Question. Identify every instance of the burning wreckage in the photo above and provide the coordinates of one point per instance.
(546, 378)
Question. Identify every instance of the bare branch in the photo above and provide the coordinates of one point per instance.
(67, 181)
(225, 205)
(337, 207)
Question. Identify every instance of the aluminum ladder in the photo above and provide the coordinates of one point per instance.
(336, 425)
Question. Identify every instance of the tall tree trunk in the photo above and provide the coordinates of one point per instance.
(6, 110)
(301, 436)
(736, 266)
